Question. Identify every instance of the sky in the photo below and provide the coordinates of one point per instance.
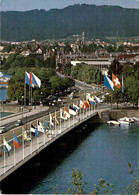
(24, 5)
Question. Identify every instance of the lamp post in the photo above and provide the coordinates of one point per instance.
(22, 112)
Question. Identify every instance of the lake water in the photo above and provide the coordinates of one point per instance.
(98, 150)
(3, 92)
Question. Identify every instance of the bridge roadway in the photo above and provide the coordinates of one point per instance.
(27, 150)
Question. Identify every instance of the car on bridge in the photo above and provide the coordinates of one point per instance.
(3, 129)
(18, 123)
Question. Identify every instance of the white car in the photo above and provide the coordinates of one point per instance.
(3, 130)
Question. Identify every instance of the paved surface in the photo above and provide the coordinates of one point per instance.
(20, 116)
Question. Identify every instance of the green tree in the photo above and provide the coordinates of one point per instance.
(132, 89)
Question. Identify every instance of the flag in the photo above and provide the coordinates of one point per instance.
(46, 125)
(94, 99)
(97, 99)
(71, 96)
(25, 136)
(32, 129)
(108, 83)
(16, 142)
(51, 120)
(88, 102)
(7, 147)
(86, 105)
(82, 104)
(76, 107)
(63, 116)
(116, 81)
(122, 85)
(40, 127)
(56, 118)
(28, 79)
(66, 112)
(72, 111)
(92, 102)
(36, 132)
(35, 80)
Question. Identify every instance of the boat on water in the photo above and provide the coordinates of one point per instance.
(112, 122)
(126, 120)
(135, 119)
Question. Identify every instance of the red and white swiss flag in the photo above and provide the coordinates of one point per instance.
(116, 81)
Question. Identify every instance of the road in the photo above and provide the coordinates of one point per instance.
(10, 122)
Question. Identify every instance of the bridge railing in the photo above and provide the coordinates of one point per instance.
(10, 159)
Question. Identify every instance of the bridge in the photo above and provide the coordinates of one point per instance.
(10, 162)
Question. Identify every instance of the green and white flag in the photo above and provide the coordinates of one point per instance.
(7, 147)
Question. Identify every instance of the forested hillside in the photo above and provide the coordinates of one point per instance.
(97, 21)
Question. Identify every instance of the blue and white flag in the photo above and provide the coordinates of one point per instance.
(92, 101)
(35, 80)
(76, 107)
(108, 83)
(97, 99)
(28, 79)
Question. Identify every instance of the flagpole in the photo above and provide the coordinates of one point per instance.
(4, 154)
(44, 131)
(55, 122)
(31, 96)
(37, 136)
(64, 124)
(60, 121)
(23, 143)
(25, 94)
(69, 119)
(30, 141)
(14, 153)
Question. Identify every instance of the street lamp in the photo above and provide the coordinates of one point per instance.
(22, 112)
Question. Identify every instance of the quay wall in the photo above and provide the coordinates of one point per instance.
(104, 116)
(11, 108)
(116, 114)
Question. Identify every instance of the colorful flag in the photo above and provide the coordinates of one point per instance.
(46, 124)
(88, 102)
(92, 102)
(25, 136)
(63, 116)
(82, 104)
(97, 99)
(76, 107)
(35, 80)
(40, 127)
(51, 120)
(108, 83)
(36, 132)
(116, 81)
(66, 112)
(32, 129)
(28, 79)
(86, 105)
(16, 142)
(72, 111)
(122, 85)
(56, 119)
(7, 147)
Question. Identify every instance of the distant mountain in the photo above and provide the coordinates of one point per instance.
(97, 21)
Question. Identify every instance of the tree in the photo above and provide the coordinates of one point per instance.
(103, 186)
(132, 89)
